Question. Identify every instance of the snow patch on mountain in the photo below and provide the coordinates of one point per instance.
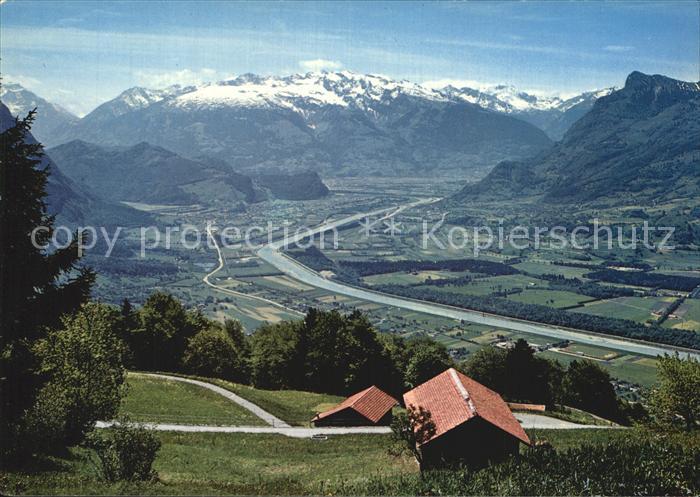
(300, 91)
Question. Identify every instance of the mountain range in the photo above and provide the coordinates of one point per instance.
(335, 123)
(640, 143)
(70, 202)
(253, 137)
(51, 119)
(554, 115)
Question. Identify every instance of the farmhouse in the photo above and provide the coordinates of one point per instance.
(473, 425)
(370, 407)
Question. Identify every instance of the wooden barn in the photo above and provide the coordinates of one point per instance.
(370, 407)
(473, 425)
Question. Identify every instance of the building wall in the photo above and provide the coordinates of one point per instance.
(474, 444)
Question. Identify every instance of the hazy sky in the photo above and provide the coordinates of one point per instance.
(80, 54)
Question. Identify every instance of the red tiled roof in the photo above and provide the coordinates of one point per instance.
(372, 403)
(453, 398)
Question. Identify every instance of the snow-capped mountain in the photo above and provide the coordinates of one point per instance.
(337, 123)
(49, 118)
(299, 92)
(134, 99)
(551, 113)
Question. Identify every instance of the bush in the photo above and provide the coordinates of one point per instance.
(643, 465)
(125, 452)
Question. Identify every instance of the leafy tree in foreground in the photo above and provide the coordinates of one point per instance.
(36, 286)
(517, 374)
(273, 355)
(84, 366)
(488, 366)
(676, 401)
(530, 378)
(125, 452)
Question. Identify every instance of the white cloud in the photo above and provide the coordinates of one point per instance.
(159, 79)
(26, 81)
(618, 48)
(316, 65)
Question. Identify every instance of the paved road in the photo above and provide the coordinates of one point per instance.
(537, 421)
(270, 419)
(295, 432)
(528, 421)
(271, 254)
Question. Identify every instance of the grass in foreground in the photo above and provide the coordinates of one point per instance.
(231, 463)
(163, 401)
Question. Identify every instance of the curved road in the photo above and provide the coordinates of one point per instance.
(271, 254)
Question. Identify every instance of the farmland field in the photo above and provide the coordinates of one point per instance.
(634, 308)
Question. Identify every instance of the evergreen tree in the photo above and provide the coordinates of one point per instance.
(37, 285)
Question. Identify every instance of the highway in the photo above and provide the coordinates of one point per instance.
(271, 254)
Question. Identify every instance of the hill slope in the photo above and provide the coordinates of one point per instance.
(149, 174)
(640, 143)
(73, 204)
(153, 175)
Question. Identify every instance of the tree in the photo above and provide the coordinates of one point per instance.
(83, 362)
(165, 327)
(676, 400)
(410, 429)
(343, 353)
(213, 353)
(587, 386)
(488, 367)
(530, 378)
(37, 286)
(426, 359)
(273, 356)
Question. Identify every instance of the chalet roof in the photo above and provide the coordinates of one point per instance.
(453, 399)
(372, 403)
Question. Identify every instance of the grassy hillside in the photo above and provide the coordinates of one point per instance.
(161, 401)
(238, 463)
(224, 464)
(293, 406)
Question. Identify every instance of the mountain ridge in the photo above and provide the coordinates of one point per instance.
(334, 123)
(637, 143)
(71, 203)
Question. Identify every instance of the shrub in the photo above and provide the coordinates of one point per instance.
(636, 465)
(125, 452)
